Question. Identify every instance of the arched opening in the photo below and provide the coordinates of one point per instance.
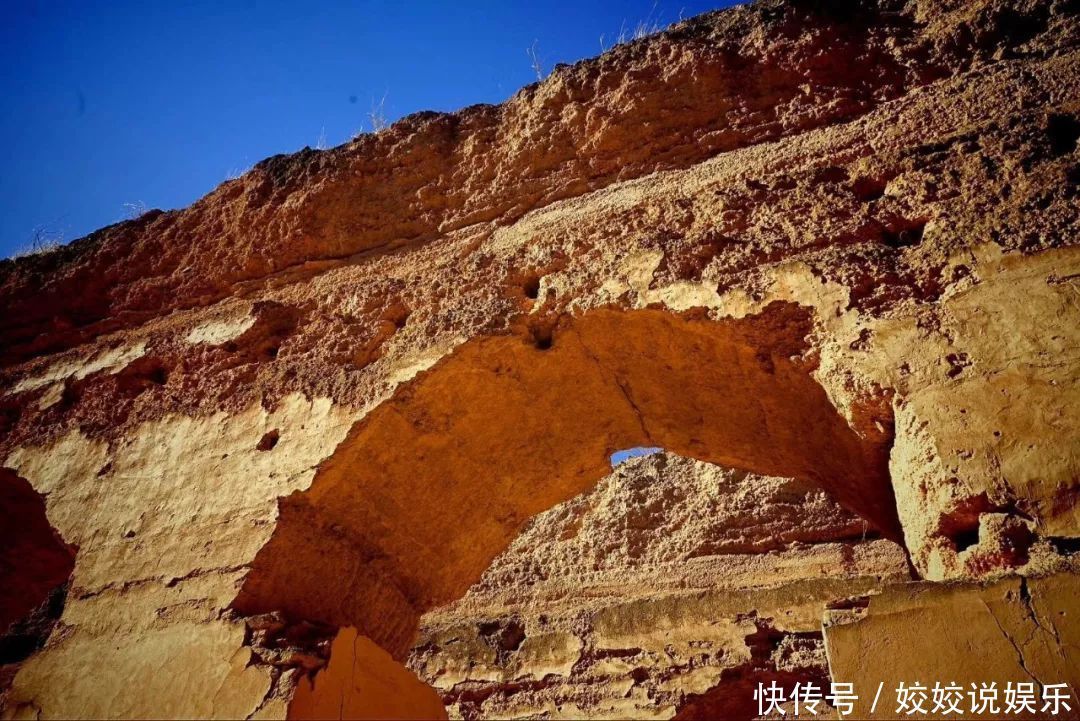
(428, 488)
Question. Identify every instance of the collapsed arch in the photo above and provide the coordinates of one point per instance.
(429, 487)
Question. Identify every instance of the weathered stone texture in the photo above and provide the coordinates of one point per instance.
(340, 430)
(670, 579)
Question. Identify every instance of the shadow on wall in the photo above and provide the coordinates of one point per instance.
(35, 566)
(428, 488)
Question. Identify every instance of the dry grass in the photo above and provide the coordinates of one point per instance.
(650, 25)
(135, 210)
(377, 115)
(43, 240)
(534, 60)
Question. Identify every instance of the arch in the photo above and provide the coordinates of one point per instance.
(430, 486)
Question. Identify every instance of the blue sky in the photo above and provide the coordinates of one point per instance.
(636, 452)
(155, 103)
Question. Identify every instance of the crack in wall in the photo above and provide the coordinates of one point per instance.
(1016, 647)
(622, 386)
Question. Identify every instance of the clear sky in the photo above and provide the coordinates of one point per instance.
(155, 103)
(636, 452)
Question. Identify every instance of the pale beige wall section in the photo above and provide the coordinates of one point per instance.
(1017, 630)
(982, 384)
(996, 429)
(165, 522)
(73, 366)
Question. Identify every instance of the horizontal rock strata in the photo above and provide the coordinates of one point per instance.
(343, 426)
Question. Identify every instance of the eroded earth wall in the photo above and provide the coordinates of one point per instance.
(334, 441)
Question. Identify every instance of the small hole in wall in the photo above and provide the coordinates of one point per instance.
(1072, 179)
(1063, 132)
(141, 375)
(905, 237)
(542, 336)
(785, 182)
(532, 287)
(961, 525)
(957, 363)
(9, 418)
(966, 538)
(636, 452)
(268, 441)
(831, 174)
(512, 636)
(508, 636)
(1065, 546)
(868, 189)
(396, 313)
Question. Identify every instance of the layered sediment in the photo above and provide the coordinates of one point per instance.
(335, 439)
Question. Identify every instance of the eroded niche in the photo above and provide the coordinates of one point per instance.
(35, 566)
